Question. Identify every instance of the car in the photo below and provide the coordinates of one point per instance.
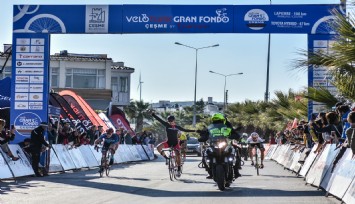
(193, 146)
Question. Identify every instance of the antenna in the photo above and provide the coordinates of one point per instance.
(140, 87)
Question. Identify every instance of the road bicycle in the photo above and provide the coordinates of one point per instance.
(105, 166)
(171, 161)
(257, 157)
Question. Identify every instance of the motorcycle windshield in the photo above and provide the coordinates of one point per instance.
(218, 139)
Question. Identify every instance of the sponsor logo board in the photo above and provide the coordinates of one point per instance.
(22, 48)
(29, 64)
(29, 56)
(36, 97)
(21, 105)
(36, 79)
(21, 88)
(22, 79)
(21, 96)
(23, 41)
(37, 41)
(25, 71)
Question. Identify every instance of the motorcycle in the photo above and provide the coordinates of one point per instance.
(220, 158)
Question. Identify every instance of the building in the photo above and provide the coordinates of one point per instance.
(95, 77)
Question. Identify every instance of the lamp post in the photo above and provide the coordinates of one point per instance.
(196, 52)
(266, 99)
(225, 83)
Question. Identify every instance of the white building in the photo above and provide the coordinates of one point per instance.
(95, 77)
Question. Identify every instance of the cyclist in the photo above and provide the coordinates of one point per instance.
(183, 143)
(253, 140)
(110, 142)
(172, 137)
(219, 127)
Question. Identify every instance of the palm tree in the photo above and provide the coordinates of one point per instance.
(136, 110)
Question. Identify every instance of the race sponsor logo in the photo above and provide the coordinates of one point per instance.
(21, 105)
(26, 122)
(36, 87)
(37, 41)
(35, 107)
(36, 97)
(22, 48)
(29, 56)
(23, 41)
(21, 87)
(29, 64)
(35, 103)
(26, 71)
(36, 79)
(22, 79)
(37, 48)
(320, 43)
(96, 19)
(320, 50)
(256, 19)
(21, 96)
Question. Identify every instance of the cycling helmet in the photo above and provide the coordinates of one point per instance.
(245, 134)
(254, 134)
(109, 131)
(171, 118)
(218, 117)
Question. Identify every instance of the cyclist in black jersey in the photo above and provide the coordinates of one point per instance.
(172, 137)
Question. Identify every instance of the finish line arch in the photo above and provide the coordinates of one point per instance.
(33, 24)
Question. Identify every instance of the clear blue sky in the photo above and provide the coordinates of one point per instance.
(168, 70)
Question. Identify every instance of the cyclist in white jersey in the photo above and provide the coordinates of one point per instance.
(253, 140)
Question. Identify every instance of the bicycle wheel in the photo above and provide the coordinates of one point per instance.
(256, 161)
(107, 164)
(171, 168)
(102, 167)
(108, 170)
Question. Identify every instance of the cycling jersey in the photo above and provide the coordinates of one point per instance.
(108, 141)
(250, 140)
(171, 131)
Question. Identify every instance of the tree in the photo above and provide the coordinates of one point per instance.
(136, 110)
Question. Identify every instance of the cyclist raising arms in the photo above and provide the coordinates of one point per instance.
(253, 140)
(110, 143)
(172, 137)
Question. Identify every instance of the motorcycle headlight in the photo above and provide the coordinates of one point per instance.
(221, 145)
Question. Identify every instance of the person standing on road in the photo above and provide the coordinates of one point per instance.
(37, 140)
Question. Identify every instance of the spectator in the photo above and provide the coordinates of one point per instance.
(122, 136)
(272, 140)
(99, 131)
(64, 134)
(350, 132)
(127, 137)
(37, 140)
(118, 133)
(5, 138)
(26, 147)
(52, 134)
(344, 111)
(91, 134)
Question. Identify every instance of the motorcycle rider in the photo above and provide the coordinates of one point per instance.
(220, 127)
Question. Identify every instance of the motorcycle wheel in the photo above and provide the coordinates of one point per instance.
(220, 177)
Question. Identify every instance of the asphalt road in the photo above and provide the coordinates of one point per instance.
(148, 182)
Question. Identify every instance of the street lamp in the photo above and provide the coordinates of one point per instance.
(196, 51)
(225, 83)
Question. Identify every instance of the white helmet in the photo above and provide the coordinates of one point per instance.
(254, 134)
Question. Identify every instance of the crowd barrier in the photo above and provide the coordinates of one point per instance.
(317, 168)
(64, 158)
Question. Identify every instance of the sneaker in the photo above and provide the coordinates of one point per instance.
(15, 158)
(209, 177)
(178, 173)
(237, 174)
(261, 166)
(252, 163)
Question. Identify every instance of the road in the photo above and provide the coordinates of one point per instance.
(148, 182)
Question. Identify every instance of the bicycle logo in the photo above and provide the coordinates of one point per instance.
(221, 13)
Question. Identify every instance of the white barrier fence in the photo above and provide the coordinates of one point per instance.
(317, 168)
(63, 158)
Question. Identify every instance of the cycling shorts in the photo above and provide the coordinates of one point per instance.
(166, 145)
(259, 145)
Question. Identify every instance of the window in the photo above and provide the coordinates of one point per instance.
(5, 73)
(124, 84)
(85, 78)
(54, 76)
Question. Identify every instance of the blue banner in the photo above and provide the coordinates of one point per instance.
(308, 19)
(311, 19)
(29, 86)
(319, 76)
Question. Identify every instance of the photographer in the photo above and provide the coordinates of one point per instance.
(5, 137)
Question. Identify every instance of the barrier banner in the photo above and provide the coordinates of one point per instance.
(118, 158)
(309, 161)
(63, 156)
(288, 162)
(295, 160)
(134, 152)
(149, 152)
(77, 157)
(271, 151)
(21, 167)
(142, 153)
(349, 196)
(324, 164)
(276, 153)
(4, 168)
(123, 153)
(97, 154)
(282, 155)
(54, 164)
(127, 153)
(313, 170)
(288, 156)
(88, 156)
(343, 175)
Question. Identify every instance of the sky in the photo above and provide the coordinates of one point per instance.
(168, 70)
